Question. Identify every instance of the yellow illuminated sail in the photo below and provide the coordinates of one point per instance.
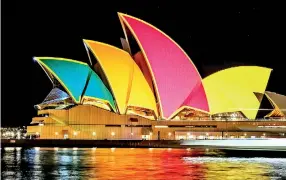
(233, 89)
(127, 82)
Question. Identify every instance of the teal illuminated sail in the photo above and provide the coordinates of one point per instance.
(73, 76)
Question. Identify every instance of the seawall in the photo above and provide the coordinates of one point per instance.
(91, 143)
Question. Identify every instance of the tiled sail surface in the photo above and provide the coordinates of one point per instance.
(176, 79)
(73, 76)
(127, 82)
(233, 89)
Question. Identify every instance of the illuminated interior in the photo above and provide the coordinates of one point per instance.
(191, 114)
(229, 115)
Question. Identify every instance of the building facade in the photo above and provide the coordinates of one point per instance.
(90, 122)
(152, 93)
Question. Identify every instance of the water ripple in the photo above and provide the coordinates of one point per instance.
(88, 163)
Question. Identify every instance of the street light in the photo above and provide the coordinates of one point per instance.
(207, 135)
(112, 134)
(188, 135)
(169, 134)
(18, 135)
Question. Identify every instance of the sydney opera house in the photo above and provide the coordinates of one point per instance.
(151, 89)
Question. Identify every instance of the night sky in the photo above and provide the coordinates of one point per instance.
(215, 36)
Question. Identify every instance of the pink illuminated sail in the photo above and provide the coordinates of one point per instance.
(176, 79)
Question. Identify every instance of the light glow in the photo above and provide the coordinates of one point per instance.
(161, 126)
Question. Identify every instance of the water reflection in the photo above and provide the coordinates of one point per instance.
(118, 163)
(238, 168)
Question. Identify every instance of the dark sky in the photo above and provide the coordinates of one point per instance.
(215, 36)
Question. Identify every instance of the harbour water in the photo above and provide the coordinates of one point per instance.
(135, 163)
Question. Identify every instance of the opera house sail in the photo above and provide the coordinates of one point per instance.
(149, 89)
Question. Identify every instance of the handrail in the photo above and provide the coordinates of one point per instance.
(228, 120)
